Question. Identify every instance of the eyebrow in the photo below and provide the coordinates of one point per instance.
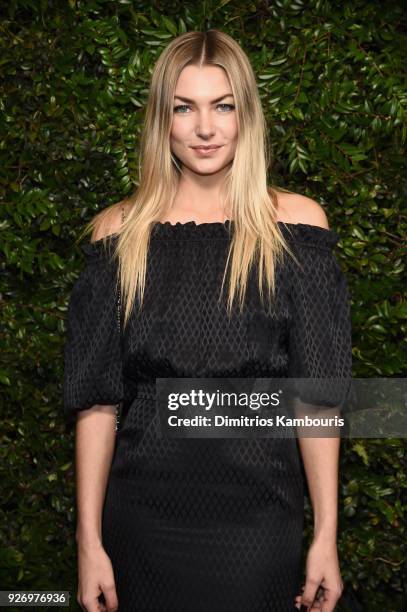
(213, 101)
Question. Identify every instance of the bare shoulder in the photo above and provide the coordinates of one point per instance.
(109, 220)
(297, 208)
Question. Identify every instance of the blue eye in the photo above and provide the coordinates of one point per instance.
(231, 107)
(180, 106)
(176, 108)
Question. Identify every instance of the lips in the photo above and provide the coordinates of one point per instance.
(206, 148)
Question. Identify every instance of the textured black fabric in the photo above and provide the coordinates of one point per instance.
(194, 525)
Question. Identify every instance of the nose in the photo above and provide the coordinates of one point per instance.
(204, 124)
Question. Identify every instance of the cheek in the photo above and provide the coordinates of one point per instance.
(179, 130)
(230, 128)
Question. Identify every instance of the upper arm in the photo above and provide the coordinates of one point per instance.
(302, 209)
(109, 221)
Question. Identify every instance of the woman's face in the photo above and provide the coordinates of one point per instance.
(204, 114)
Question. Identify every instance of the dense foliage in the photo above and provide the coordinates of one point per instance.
(75, 77)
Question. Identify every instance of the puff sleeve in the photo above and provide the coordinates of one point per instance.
(320, 344)
(92, 353)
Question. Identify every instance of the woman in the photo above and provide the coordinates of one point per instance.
(197, 525)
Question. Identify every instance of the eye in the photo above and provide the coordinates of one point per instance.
(180, 106)
(230, 106)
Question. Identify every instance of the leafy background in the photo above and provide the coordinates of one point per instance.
(75, 76)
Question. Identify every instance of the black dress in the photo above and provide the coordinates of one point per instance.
(203, 525)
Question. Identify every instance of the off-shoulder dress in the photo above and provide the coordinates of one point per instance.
(203, 525)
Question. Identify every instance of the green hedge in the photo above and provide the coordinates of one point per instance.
(75, 76)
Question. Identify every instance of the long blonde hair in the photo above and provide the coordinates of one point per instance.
(252, 204)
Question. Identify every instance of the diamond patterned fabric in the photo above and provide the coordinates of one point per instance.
(203, 525)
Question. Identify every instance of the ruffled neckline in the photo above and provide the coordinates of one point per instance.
(312, 235)
(303, 233)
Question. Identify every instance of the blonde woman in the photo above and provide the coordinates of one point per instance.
(178, 283)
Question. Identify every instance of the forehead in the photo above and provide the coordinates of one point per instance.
(202, 82)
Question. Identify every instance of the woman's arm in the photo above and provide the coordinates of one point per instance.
(321, 458)
(95, 440)
(95, 432)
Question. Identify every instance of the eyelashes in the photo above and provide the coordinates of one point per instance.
(176, 108)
